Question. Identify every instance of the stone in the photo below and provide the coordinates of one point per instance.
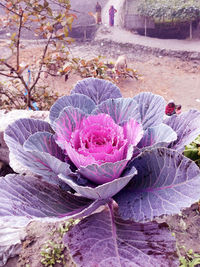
(12, 232)
(4, 153)
(5, 169)
(194, 55)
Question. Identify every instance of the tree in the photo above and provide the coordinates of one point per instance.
(47, 19)
(171, 10)
(50, 20)
(165, 10)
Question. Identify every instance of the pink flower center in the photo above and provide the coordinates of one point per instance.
(98, 137)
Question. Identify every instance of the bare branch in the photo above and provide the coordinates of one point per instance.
(9, 9)
(42, 63)
(18, 37)
(9, 97)
(19, 76)
(8, 75)
(8, 65)
(29, 14)
(51, 74)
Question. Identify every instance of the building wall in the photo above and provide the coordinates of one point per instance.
(84, 26)
(133, 21)
(131, 7)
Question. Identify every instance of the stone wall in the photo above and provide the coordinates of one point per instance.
(114, 49)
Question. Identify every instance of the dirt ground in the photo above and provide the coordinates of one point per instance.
(185, 227)
(172, 78)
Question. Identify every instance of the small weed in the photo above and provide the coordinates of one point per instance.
(190, 259)
(53, 252)
(192, 151)
(66, 226)
(187, 258)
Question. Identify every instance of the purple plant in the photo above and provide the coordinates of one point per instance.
(102, 149)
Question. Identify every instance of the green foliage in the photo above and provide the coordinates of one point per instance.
(191, 259)
(94, 67)
(52, 251)
(66, 226)
(192, 151)
(97, 68)
(170, 10)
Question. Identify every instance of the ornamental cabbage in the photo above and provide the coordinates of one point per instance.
(102, 149)
(96, 139)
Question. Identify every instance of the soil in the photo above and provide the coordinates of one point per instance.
(185, 227)
(170, 77)
(173, 78)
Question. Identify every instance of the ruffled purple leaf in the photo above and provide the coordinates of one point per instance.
(33, 198)
(80, 101)
(96, 89)
(187, 127)
(166, 182)
(18, 132)
(69, 120)
(47, 157)
(120, 109)
(104, 239)
(104, 191)
(39, 162)
(151, 107)
(160, 135)
(44, 142)
(104, 173)
(133, 132)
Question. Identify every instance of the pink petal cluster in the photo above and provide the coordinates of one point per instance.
(98, 139)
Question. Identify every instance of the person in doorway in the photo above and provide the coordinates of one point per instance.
(98, 13)
(112, 12)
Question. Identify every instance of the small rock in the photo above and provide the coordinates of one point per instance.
(195, 55)
(12, 232)
(5, 169)
(182, 224)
